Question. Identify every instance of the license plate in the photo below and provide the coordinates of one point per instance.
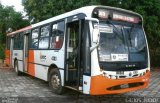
(124, 86)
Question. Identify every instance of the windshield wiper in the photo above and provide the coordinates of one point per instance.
(116, 31)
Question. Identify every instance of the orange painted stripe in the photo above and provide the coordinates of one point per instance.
(7, 58)
(31, 67)
(20, 30)
(100, 83)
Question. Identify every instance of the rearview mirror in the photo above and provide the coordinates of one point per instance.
(95, 38)
(95, 35)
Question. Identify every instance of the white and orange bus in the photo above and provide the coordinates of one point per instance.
(95, 50)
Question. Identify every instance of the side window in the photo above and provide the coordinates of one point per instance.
(21, 40)
(16, 41)
(34, 38)
(57, 35)
(44, 37)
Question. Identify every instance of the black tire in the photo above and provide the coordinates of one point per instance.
(16, 68)
(55, 82)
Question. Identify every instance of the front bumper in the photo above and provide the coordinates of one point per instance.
(101, 85)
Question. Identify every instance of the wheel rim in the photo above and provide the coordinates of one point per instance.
(55, 81)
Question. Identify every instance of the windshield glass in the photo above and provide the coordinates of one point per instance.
(112, 42)
(122, 44)
(136, 43)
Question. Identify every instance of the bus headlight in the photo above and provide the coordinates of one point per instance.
(113, 77)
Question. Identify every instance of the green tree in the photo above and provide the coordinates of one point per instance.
(9, 18)
(39, 10)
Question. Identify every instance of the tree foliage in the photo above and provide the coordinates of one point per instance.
(9, 18)
(39, 10)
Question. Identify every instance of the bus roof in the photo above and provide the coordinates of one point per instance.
(87, 10)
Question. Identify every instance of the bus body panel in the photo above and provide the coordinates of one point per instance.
(40, 60)
(94, 57)
(62, 76)
(86, 84)
(147, 49)
(7, 53)
(20, 66)
(41, 72)
(95, 64)
(31, 65)
(48, 57)
(18, 55)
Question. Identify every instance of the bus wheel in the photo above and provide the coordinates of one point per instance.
(16, 68)
(55, 81)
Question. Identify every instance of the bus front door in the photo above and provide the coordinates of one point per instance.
(73, 55)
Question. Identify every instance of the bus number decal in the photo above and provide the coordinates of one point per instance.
(42, 57)
(15, 54)
(54, 58)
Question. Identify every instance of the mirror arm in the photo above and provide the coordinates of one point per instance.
(91, 19)
(94, 47)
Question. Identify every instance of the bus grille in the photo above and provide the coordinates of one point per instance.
(129, 85)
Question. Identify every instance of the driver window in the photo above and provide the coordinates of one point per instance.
(57, 35)
(44, 37)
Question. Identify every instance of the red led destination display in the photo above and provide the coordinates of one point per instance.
(127, 18)
(116, 15)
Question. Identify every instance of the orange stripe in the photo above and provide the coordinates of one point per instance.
(7, 52)
(99, 84)
(20, 30)
(31, 67)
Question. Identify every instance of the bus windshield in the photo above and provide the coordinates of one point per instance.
(122, 45)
